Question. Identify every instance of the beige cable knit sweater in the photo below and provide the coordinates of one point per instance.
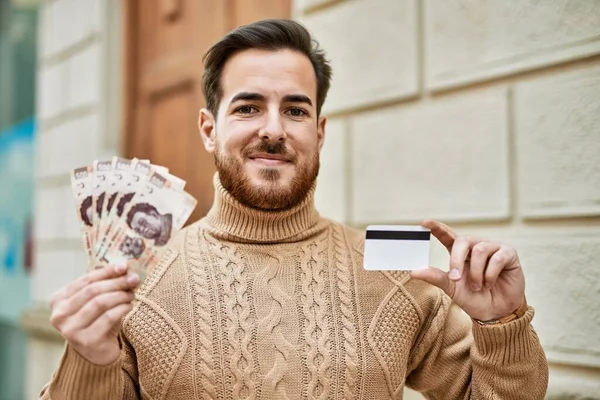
(276, 305)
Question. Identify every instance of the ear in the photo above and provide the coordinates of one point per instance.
(206, 125)
(321, 131)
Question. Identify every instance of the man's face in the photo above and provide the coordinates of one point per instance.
(266, 137)
(146, 224)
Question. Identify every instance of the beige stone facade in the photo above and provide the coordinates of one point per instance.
(484, 114)
(77, 110)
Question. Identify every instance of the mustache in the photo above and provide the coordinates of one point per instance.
(278, 148)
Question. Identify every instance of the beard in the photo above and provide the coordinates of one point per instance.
(273, 194)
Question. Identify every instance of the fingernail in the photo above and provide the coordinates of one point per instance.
(120, 268)
(475, 287)
(454, 274)
(133, 278)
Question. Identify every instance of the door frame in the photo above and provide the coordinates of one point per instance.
(128, 73)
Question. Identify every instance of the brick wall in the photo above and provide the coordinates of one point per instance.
(484, 114)
(78, 75)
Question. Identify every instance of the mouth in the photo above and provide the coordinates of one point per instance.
(270, 159)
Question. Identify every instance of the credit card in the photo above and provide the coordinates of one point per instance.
(396, 247)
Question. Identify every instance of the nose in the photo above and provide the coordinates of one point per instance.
(273, 130)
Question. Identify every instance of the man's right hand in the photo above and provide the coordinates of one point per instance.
(88, 312)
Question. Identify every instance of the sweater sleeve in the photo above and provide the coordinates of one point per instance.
(457, 359)
(77, 378)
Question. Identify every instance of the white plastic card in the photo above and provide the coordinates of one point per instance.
(396, 247)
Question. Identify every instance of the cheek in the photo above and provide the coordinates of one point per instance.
(303, 139)
(234, 135)
(135, 222)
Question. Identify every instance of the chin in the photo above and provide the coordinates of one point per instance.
(270, 176)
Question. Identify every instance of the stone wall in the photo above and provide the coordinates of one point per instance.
(486, 115)
(78, 78)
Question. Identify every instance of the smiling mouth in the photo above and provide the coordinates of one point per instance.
(270, 159)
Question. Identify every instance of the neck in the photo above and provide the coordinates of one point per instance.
(231, 220)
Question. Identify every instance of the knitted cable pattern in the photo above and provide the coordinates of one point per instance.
(237, 313)
(204, 300)
(271, 323)
(346, 296)
(317, 326)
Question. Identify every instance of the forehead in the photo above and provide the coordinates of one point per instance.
(267, 72)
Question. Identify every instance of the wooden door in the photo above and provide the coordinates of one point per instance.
(165, 42)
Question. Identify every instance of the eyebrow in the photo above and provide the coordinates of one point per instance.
(252, 96)
(248, 96)
(297, 98)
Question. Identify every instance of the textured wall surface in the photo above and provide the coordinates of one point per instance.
(77, 118)
(76, 113)
(484, 114)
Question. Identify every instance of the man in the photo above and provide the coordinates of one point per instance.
(263, 299)
(145, 219)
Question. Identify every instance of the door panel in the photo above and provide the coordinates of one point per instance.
(246, 11)
(165, 42)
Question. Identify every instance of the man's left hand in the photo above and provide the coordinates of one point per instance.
(485, 278)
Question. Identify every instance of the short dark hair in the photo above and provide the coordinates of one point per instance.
(126, 198)
(270, 34)
(85, 205)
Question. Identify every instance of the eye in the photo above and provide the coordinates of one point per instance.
(296, 112)
(246, 110)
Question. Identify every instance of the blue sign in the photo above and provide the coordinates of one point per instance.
(17, 158)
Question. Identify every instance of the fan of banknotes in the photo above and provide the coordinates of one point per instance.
(128, 211)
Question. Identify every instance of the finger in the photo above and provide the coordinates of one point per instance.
(90, 277)
(458, 256)
(70, 306)
(442, 232)
(95, 308)
(480, 254)
(122, 283)
(110, 319)
(498, 262)
(102, 326)
(436, 277)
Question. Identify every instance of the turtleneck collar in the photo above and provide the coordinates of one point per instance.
(230, 220)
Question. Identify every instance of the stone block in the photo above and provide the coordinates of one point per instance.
(307, 4)
(372, 45)
(562, 269)
(43, 358)
(446, 158)
(54, 269)
(62, 26)
(45, 28)
(70, 145)
(56, 215)
(85, 77)
(77, 11)
(91, 15)
(52, 91)
(469, 41)
(330, 197)
(412, 395)
(557, 123)
(568, 383)
(51, 28)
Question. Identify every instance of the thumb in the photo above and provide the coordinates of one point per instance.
(434, 276)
